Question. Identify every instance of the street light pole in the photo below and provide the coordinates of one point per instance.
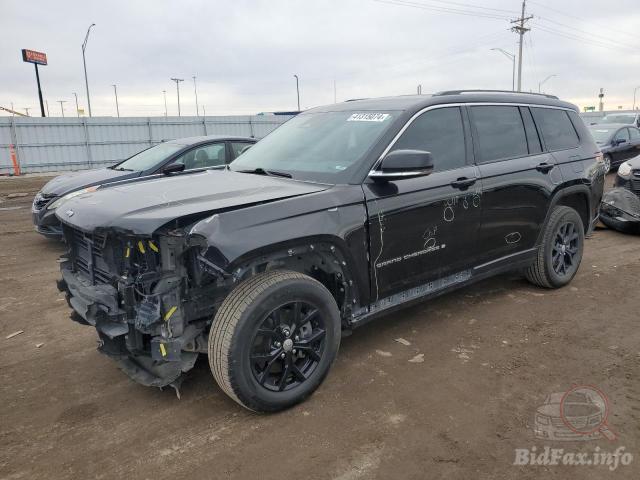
(512, 57)
(634, 97)
(62, 102)
(84, 62)
(164, 92)
(26, 109)
(195, 89)
(298, 90)
(115, 91)
(543, 81)
(178, 80)
(77, 108)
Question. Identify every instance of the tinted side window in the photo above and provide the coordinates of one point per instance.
(204, 156)
(239, 148)
(635, 133)
(622, 134)
(500, 132)
(556, 128)
(440, 132)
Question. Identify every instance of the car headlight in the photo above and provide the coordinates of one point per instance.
(624, 170)
(69, 196)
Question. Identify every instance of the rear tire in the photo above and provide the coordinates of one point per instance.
(273, 340)
(560, 251)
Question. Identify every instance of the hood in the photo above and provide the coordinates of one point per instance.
(143, 207)
(73, 181)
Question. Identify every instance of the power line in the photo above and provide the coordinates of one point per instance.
(590, 34)
(458, 4)
(578, 38)
(594, 26)
(456, 11)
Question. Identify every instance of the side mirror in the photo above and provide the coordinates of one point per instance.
(173, 168)
(401, 164)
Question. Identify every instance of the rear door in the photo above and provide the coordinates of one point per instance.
(518, 178)
(424, 229)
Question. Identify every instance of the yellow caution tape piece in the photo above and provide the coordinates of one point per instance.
(141, 247)
(127, 252)
(171, 311)
(163, 350)
(153, 246)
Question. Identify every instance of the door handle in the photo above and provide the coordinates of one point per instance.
(545, 167)
(463, 182)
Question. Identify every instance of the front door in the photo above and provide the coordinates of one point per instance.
(424, 229)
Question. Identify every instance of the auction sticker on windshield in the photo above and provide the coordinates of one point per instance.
(368, 117)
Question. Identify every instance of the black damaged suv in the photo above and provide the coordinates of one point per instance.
(342, 214)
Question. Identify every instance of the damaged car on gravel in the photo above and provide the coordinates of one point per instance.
(339, 216)
(620, 208)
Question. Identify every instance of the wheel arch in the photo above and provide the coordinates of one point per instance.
(577, 197)
(325, 258)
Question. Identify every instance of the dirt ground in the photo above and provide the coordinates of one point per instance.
(492, 353)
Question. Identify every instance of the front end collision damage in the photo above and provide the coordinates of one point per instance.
(152, 298)
(620, 210)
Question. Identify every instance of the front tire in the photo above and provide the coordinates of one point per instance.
(607, 163)
(273, 340)
(560, 251)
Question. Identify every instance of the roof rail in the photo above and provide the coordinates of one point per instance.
(458, 92)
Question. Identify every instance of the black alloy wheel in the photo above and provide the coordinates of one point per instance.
(565, 249)
(287, 346)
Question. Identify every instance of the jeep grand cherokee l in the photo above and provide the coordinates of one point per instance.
(343, 214)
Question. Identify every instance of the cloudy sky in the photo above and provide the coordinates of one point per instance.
(244, 53)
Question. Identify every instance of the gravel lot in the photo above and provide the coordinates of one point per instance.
(492, 353)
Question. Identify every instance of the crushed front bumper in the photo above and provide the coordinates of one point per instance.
(147, 358)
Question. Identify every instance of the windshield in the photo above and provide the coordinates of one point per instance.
(149, 158)
(322, 147)
(600, 134)
(619, 118)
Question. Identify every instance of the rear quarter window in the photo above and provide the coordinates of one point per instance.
(556, 128)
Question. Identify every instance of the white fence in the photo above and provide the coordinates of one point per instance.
(56, 144)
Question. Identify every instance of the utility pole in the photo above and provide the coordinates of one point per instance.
(164, 93)
(115, 91)
(84, 62)
(62, 102)
(178, 80)
(77, 108)
(204, 111)
(47, 102)
(298, 90)
(520, 29)
(601, 104)
(195, 89)
(26, 109)
(335, 95)
(634, 97)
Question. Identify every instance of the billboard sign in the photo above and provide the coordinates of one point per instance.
(32, 56)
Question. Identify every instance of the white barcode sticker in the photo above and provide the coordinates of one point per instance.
(368, 117)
